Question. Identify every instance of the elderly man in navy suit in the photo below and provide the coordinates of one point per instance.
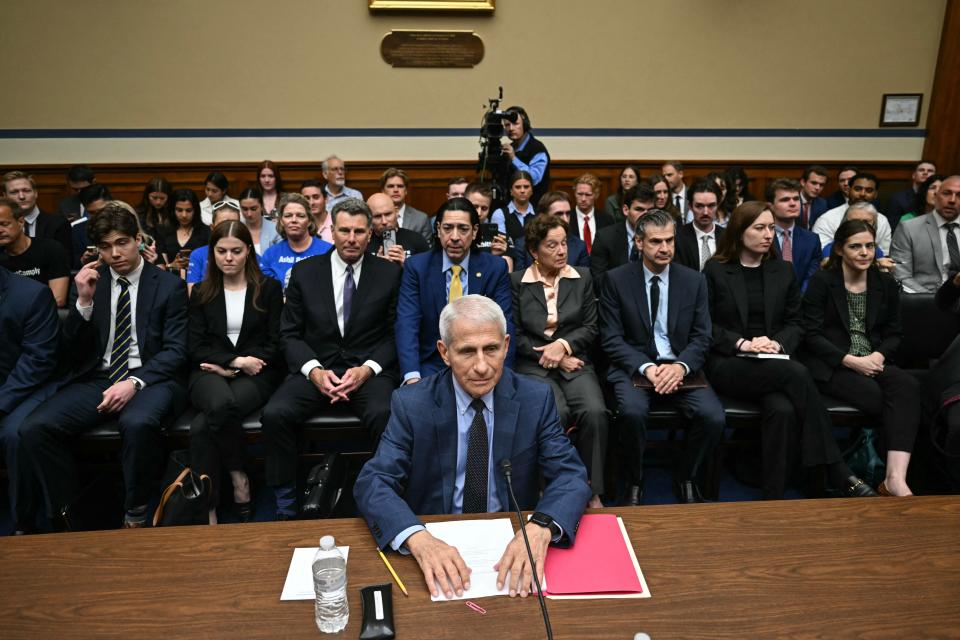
(129, 338)
(796, 245)
(430, 280)
(655, 327)
(29, 333)
(443, 449)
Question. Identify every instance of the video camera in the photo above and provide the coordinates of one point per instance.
(492, 163)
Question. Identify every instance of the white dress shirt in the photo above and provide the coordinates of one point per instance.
(593, 223)
(31, 222)
(711, 241)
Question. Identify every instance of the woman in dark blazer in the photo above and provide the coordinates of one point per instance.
(555, 320)
(851, 314)
(235, 357)
(755, 308)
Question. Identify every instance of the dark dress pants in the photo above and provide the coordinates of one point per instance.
(296, 400)
(892, 398)
(580, 402)
(792, 410)
(20, 477)
(700, 408)
(46, 436)
(216, 432)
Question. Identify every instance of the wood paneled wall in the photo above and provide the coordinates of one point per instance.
(428, 180)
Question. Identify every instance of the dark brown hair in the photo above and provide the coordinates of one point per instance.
(731, 244)
(847, 229)
(537, 229)
(211, 286)
(270, 164)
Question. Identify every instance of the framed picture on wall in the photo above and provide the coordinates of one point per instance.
(432, 5)
(901, 109)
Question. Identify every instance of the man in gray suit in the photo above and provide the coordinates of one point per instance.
(927, 248)
(393, 182)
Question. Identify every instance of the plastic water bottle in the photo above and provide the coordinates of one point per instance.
(330, 586)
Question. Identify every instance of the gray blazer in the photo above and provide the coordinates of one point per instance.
(916, 249)
(418, 221)
(576, 321)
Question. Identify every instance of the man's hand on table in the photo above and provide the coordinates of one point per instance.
(441, 564)
(515, 562)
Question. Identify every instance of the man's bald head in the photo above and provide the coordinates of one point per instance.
(947, 199)
(383, 213)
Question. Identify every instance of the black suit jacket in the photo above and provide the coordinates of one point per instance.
(161, 322)
(411, 241)
(259, 332)
(609, 250)
(308, 324)
(602, 219)
(625, 326)
(576, 321)
(728, 305)
(55, 227)
(687, 247)
(826, 320)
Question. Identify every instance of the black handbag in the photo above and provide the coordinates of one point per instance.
(324, 487)
(186, 496)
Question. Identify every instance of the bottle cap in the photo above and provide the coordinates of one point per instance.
(326, 543)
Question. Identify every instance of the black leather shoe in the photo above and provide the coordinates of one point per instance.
(634, 495)
(281, 517)
(857, 488)
(687, 492)
(245, 511)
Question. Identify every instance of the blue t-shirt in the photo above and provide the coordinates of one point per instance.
(280, 258)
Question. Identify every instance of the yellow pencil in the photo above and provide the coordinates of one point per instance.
(393, 573)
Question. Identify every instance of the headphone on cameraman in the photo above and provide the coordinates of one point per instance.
(524, 118)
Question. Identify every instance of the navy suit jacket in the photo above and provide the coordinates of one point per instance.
(414, 469)
(625, 329)
(161, 319)
(818, 206)
(423, 295)
(29, 334)
(807, 254)
(900, 204)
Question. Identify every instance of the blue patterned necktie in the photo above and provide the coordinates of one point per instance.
(475, 480)
(120, 355)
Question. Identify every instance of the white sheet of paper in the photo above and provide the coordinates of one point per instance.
(299, 582)
(480, 543)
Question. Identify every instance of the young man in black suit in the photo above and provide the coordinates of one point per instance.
(655, 328)
(697, 240)
(614, 244)
(337, 333)
(128, 335)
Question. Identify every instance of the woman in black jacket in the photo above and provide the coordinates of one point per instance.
(851, 314)
(235, 356)
(755, 309)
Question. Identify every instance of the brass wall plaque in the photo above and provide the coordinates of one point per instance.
(447, 49)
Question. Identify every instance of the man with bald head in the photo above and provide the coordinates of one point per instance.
(404, 242)
(926, 249)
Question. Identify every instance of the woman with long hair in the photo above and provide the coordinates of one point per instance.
(509, 220)
(629, 177)
(155, 210)
(851, 314)
(263, 231)
(235, 357)
(925, 200)
(755, 306)
(187, 231)
(662, 200)
(271, 186)
(215, 186)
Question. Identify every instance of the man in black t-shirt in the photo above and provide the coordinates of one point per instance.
(40, 259)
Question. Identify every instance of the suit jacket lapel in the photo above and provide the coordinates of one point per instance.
(506, 410)
(437, 284)
(643, 306)
(367, 281)
(101, 300)
(247, 314)
(146, 292)
(564, 287)
(739, 289)
(445, 426)
(838, 292)
(324, 292)
(874, 300)
(673, 303)
(769, 300)
(934, 232)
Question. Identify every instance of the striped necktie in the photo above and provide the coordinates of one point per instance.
(120, 354)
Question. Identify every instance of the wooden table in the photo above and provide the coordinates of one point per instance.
(868, 568)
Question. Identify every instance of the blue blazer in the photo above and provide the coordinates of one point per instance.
(423, 295)
(807, 254)
(161, 319)
(29, 335)
(414, 469)
(625, 328)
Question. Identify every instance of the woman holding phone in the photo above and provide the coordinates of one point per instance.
(186, 234)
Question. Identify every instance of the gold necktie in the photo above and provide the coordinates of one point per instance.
(456, 289)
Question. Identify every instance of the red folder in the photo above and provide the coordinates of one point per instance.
(599, 561)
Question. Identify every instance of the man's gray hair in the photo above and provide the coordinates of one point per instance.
(863, 206)
(326, 162)
(352, 206)
(653, 218)
(478, 309)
